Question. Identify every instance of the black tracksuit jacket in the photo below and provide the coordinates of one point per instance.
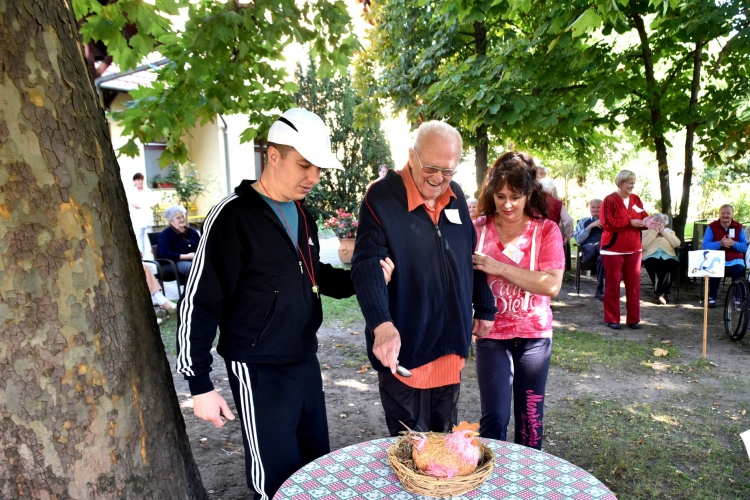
(248, 279)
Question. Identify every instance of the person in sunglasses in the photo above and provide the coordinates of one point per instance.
(423, 319)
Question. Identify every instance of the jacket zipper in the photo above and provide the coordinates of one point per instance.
(442, 268)
(269, 316)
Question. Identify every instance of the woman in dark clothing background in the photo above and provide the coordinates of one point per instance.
(178, 242)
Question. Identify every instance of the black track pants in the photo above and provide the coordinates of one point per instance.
(284, 424)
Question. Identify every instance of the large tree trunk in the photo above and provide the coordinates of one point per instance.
(87, 404)
(687, 178)
(657, 127)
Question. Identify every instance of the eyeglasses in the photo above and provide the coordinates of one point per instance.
(447, 172)
(629, 183)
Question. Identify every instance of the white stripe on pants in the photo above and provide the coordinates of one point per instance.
(248, 422)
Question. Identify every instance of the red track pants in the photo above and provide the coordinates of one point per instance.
(628, 268)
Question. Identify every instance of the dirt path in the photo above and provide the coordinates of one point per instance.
(355, 415)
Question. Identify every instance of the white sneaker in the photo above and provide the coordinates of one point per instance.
(158, 321)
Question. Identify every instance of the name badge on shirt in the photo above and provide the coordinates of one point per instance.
(513, 253)
(638, 209)
(453, 216)
(731, 232)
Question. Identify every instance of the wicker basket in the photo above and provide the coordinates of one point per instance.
(415, 481)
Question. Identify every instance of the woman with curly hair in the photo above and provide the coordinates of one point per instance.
(522, 254)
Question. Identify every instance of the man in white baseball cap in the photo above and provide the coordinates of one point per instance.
(257, 276)
(305, 132)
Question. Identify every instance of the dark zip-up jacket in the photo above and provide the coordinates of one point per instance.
(247, 278)
(171, 244)
(433, 286)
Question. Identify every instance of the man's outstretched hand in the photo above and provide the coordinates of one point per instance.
(387, 345)
(210, 407)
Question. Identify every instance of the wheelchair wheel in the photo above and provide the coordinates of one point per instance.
(736, 309)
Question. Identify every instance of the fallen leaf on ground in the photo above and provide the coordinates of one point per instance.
(203, 440)
(343, 415)
(659, 352)
(658, 366)
(351, 404)
(326, 367)
(354, 333)
(666, 341)
(363, 369)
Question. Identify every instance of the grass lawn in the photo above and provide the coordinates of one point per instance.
(646, 450)
(169, 334)
(580, 351)
(341, 312)
(683, 447)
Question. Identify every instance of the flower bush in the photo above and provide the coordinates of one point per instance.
(343, 224)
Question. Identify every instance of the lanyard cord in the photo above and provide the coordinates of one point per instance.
(307, 235)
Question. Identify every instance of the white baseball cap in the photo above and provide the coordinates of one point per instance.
(305, 132)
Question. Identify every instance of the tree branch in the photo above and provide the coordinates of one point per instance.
(677, 66)
(726, 48)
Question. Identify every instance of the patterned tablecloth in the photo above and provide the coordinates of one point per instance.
(362, 471)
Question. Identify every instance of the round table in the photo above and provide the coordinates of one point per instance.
(362, 471)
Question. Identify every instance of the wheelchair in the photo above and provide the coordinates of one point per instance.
(737, 309)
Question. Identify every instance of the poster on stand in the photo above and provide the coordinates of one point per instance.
(706, 263)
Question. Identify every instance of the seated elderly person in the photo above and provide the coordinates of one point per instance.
(157, 296)
(660, 258)
(178, 242)
(588, 235)
(556, 211)
(726, 234)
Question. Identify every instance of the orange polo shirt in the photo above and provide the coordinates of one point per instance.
(445, 370)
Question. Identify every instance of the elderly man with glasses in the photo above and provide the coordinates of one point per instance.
(419, 327)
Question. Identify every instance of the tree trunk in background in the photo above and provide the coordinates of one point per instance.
(480, 152)
(87, 403)
(654, 106)
(482, 143)
(687, 178)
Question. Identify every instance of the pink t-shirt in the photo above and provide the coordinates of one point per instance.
(511, 319)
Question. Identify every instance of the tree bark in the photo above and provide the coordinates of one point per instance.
(480, 155)
(482, 143)
(87, 403)
(654, 105)
(687, 178)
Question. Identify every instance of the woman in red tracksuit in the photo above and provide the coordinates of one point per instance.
(622, 216)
